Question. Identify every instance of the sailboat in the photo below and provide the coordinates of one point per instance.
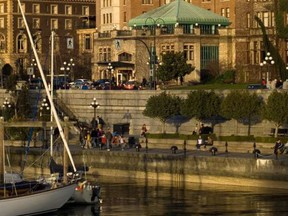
(52, 197)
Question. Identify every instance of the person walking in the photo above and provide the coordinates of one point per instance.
(94, 137)
(88, 140)
(109, 137)
(277, 148)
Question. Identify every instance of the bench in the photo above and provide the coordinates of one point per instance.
(281, 132)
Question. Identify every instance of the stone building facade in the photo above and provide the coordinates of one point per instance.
(63, 17)
(245, 45)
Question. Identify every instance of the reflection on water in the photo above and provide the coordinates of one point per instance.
(130, 198)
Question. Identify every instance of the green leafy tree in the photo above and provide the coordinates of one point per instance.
(275, 109)
(243, 107)
(162, 107)
(173, 66)
(202, 105)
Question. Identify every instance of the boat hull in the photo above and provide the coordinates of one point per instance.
(86, 194)
(37, 203)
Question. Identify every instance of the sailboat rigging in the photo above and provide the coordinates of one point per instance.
(46, 199)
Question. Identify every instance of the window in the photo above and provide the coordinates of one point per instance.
(167, 48)
(36, 23)
(147, 1)
(1, 8)
(21, 44)
(21, 23)
(209, 54)
(68, 24)
(105, 54)
(125, 17)
(223, 12)
(266, 19)
(2, 23)
(188, 50)
(54, 9)
(248, 24)
(228, 12)
(36, 8)
(286, 51)
(23, 8)
(68, 9)
(54, 23)
(2, 43)
(87, 42)
(85, 10)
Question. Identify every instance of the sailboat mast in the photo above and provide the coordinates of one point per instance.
(52, 89)
(46, 88)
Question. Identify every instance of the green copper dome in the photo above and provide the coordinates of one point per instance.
(180, 12)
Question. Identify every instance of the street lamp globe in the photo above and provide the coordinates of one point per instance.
(95, 105)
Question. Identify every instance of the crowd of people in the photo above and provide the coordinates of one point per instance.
(98, 137)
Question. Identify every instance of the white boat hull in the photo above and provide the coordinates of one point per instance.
(86, 194)
(36, 203)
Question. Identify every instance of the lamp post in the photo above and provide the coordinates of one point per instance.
(68, 67)
(153, 54)
(95, 105)
(7, 108)
(44, 109)
(110, 69)
(44, 115)
(268, 60)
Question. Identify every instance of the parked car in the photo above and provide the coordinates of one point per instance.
(131, 85)
(79, 83)
(99, 82)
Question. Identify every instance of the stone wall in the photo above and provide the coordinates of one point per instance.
(225, 169)
(127, 107)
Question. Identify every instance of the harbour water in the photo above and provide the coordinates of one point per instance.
(124, 197)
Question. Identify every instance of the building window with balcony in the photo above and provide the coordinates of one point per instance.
(54, 9)
(87, 42)
(68, 24)
(2, 23)
(188, 50)
(68, 9)
(36, 8)
(54, 24)
(2, 43)
(36, 23)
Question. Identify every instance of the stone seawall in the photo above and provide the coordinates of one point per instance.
(158, 165)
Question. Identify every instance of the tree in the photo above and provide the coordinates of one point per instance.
(173, 66)
(201, 105)
(275, 109)
(162, 107)
(243, 107)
